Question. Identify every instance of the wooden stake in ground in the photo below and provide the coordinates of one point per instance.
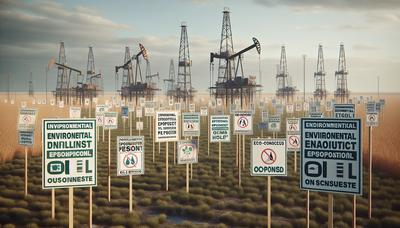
(53, 203)
(295, 161)
(130, 193)
(70, 207)
(26, 170)
(308, 210)
(174, 153)
(90, 206)
(244, 151)
(219, 159)
(330, 210)
(269, 201)
(187, 178)
(240, 171)
(109, 165)
(208, 137)
(154, 135)
(237, 149)
(354, 211)
(166, 166)
(370, 174)
(130, 123)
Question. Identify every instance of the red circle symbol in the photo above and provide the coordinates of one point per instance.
(293, 127)
(294, 140)
(268, 156)
(243, 122)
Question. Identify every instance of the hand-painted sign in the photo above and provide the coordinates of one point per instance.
(167, 129)
(220, 128)
(268, 157)
(130, 155)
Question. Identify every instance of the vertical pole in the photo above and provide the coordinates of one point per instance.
(90, 207)
(130, 193)
(244, 151)
(370, 175)
(308, 210)
(130, 123)
(304, 78)
(53, 203)
(269, 201)
(26, 170)
(154, 135)
(159, 148)
(71, 207)
(295, 161)
(262, 133)
(166, 167)
(187, 178)
(191, 170)
(174, 153)
(330, 210)
(219, 159)
(103, 129)
(237, 149)
(240, 170)
(109, 165)
(208, 137)
(354, 211)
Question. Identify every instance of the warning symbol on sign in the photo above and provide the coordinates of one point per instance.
(243, 122)
(294, 141)
(190, 125)
(293, 127)
(130, 160)
(268, 156)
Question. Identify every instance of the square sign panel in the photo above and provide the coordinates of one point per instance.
(190, 124)
(268, 157)
(187, 152)
(331, 158)
(69, 153)
(243, 122)
(220, 128)
(167, 129)
(130, 155)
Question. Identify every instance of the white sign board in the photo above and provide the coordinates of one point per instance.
(110, 120)
(331, 157)
(220, 128)
(372, 119)
(203, 111)
(139, 125)
(190, 124)
(69, 153)
(293, 134)
(27, 119)
(268, 157)
(167, 129)
(274, 123)
(289, 108)
(187, 151)
(243, 122)
(130, 155)
(74, 112)
(139, 112)
(344, 111)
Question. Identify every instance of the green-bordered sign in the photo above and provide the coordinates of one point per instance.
(110, 120)
(130, 155)
(268, 157)
(220, 128)
(187, 152)
(190, 124)
(69, 153)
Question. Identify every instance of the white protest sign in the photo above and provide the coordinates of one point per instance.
(100, 110)
(110, 120)
(306, 106)
(293, 134)
(344, 111)
(139, 112)
(331, 158)
(274, 123)
(139, 125)
(52, 102)
(243, 123)
(26, 138)
(87, 101)
(149, 111)
(74, 112)
(298, 107)
(130, 155)
(27, 119)
(268, 157)
(220, 128)
(69, 153)
(167, 128)
(61, 104)
(192, 107)
(203, 111)
(190, 124)
(187, 152)
(372, 119)
(289, 108)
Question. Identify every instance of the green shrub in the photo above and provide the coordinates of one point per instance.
(152, 221)
(391, 222)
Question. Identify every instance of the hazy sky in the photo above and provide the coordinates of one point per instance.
(30, 32)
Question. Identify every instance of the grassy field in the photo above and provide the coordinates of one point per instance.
(212, 201)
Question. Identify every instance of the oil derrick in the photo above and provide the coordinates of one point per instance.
(31, 86)
(341, 92)
(184, 89)
(134, 86)
(285, 90)
(170, 82)
(91, 85)
(230, 85)
(151, 82)
(319, 77)
(63, 89)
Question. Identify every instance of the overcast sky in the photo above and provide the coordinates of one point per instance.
(30, 32)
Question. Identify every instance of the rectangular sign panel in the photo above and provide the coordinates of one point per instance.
(110, 120)
(331, 157)
(203, 111)
(69, 153)
(190, 124)
(344, 111)
(274, 123)
(167, 129)
(268, 157)
(293, 134)
(372, 119)
(243, 123)
(74, 112)
(26, 138)
(187, 152)
(130, 155)
(27, 119)
(220, 128)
